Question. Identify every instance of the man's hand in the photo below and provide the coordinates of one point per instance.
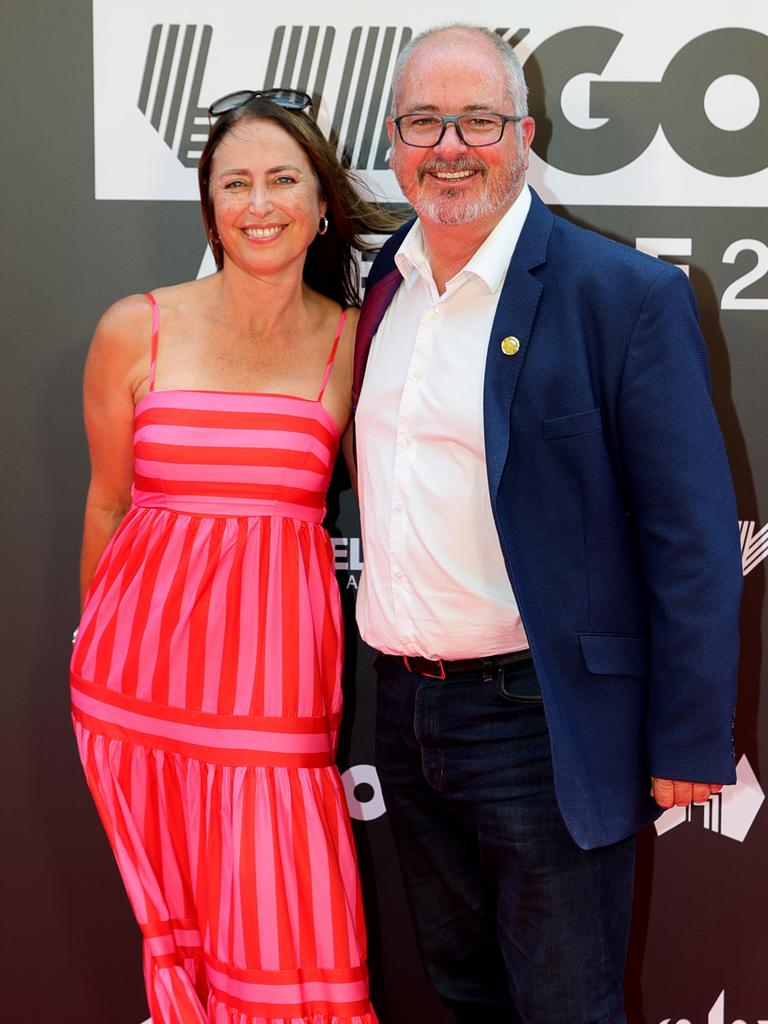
(668, 793)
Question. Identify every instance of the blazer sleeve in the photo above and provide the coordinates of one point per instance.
(684, 507)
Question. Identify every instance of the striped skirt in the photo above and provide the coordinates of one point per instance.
(233, 840)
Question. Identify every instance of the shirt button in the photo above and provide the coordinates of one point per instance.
(397, 575)
(415, 375)
(435, 311)
(407, 440)
(397, 508)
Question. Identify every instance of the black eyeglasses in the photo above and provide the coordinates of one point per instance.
(475, 130)
(291, 99)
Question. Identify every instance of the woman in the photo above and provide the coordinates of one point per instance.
(206, 673)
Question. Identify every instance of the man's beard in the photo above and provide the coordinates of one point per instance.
(452, 206)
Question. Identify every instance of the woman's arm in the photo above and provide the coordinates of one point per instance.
(116, 368)
(341, 382)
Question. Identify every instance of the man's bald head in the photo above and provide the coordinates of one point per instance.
(463, 37)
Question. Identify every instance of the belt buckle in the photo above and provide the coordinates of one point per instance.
(426, 675)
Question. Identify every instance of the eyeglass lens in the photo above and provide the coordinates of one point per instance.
(474, 129)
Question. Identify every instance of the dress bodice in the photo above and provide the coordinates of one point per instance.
(231, 453)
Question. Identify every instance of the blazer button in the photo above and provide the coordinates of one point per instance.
(510, 346)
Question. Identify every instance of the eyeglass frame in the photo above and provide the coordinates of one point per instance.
(454, 120)
(270, 95)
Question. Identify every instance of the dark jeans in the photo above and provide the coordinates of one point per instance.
(514, 921)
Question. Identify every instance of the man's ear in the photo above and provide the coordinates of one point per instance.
(528, 127)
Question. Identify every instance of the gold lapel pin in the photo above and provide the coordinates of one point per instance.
(510, 346)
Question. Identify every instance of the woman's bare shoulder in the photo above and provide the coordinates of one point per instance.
(351, 319)
(126, 316)
(118, 355)
(178, 296)
(126, 327)
(329, 312)
(123, 332)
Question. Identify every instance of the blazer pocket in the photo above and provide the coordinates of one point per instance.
(576, 423)
(614, 654)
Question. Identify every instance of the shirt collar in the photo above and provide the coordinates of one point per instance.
(491, 260)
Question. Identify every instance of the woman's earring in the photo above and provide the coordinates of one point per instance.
(322, 226)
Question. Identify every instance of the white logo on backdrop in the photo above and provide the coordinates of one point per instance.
(608, 134)
(754, 545)
(347, 554)
(730, 813)
(363, 792)
(715, 1016)
(754, 548)
(348, 559)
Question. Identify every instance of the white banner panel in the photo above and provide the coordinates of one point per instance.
(654, 104)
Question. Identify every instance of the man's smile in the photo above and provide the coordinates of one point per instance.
(456, 170)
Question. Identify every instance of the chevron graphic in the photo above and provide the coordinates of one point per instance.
(299, 57)
(170, 87)
(512, 36)
(358, 124)
(754, 546)
(715, 1016)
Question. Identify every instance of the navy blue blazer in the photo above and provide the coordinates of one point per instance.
(612, 497)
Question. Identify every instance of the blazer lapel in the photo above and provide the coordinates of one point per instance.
(515, 312)
(377, 299)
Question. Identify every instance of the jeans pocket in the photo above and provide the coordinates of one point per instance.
(521, 687)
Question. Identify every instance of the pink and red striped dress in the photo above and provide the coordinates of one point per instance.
(206, 700)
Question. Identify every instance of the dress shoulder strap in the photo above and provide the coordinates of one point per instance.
(332, 356)
(155, 337)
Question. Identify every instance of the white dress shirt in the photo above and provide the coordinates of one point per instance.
(434, 581)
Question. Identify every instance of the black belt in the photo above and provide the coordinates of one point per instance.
(440, 668)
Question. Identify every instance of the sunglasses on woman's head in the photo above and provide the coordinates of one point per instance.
(291, 99)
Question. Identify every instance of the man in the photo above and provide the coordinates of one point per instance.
(552, 571)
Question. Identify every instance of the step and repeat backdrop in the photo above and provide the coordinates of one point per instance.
(652, 127)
